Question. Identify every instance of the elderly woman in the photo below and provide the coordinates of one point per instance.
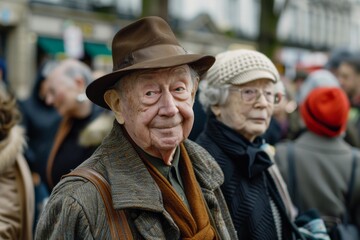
(238, 94)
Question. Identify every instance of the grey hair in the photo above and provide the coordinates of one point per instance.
(79, 69)
(212, 95)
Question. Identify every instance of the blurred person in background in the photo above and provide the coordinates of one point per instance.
(281, 124)
(324, 78)
(16, 186)
(336, 56)
(349, 78)
(298, 81)
(41, 123)
(83, 124)
(322, 159)
(238, 95)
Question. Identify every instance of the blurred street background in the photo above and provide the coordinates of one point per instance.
(293, 33)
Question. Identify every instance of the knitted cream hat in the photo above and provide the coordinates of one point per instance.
(241, 66)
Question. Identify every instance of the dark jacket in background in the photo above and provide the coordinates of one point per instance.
(75, 141)
(41, 123)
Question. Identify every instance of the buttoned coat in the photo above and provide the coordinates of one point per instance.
(76, 211)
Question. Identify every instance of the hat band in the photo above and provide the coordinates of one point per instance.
(150, 53)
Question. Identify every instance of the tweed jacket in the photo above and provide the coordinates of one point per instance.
(16, 189)
(75, 209)
(323, 167)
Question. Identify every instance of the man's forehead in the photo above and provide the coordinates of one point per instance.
(176, 69)
(139, 76)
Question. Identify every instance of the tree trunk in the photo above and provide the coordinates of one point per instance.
(267, 40)
(155, 8)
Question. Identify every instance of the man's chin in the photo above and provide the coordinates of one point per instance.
(168, 143)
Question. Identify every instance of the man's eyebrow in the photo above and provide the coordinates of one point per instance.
(179, 69)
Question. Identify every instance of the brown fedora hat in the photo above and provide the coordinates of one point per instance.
(148, 43)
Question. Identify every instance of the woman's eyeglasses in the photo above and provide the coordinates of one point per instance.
(252, 94)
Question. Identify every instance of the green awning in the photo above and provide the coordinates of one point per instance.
(55, 46)
(52, 46)
(95, 49)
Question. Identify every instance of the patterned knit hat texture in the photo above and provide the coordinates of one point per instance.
(325, 111)
(239, 67)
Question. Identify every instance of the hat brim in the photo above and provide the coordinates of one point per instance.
(253, 75)
(96, 89)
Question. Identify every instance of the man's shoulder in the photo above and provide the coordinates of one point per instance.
(74, 187)
(78, 188)
(205, 166)
(196, 150)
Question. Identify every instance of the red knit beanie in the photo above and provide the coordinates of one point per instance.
(325, 111)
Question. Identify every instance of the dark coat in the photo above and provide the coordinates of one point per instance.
(41, 123)
(248, 183)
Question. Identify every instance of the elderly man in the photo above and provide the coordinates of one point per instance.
(163, 186)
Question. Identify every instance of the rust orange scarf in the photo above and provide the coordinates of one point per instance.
(62, 132)
(194, 225)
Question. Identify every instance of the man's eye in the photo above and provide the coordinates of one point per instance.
(150, 93)
(179, 89)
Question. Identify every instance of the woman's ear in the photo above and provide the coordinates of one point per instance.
(216, 110)
(80, 83)
(112, 99)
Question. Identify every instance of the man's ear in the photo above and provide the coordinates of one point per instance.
(112, 99)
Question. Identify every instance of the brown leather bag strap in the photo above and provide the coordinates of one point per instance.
(119, 227)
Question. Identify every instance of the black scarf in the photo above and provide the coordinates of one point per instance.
(246, 187)
(247, 155)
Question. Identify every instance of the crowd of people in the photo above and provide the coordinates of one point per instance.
(179, 145)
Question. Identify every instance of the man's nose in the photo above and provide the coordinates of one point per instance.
(168, 104)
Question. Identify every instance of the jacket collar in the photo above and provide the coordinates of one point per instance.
(132, 185)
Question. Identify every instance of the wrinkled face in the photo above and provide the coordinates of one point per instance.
(156, 106)
(248, 118)
(60, 91)
(348, 79)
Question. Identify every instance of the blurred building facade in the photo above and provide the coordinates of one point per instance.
(32, 31)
